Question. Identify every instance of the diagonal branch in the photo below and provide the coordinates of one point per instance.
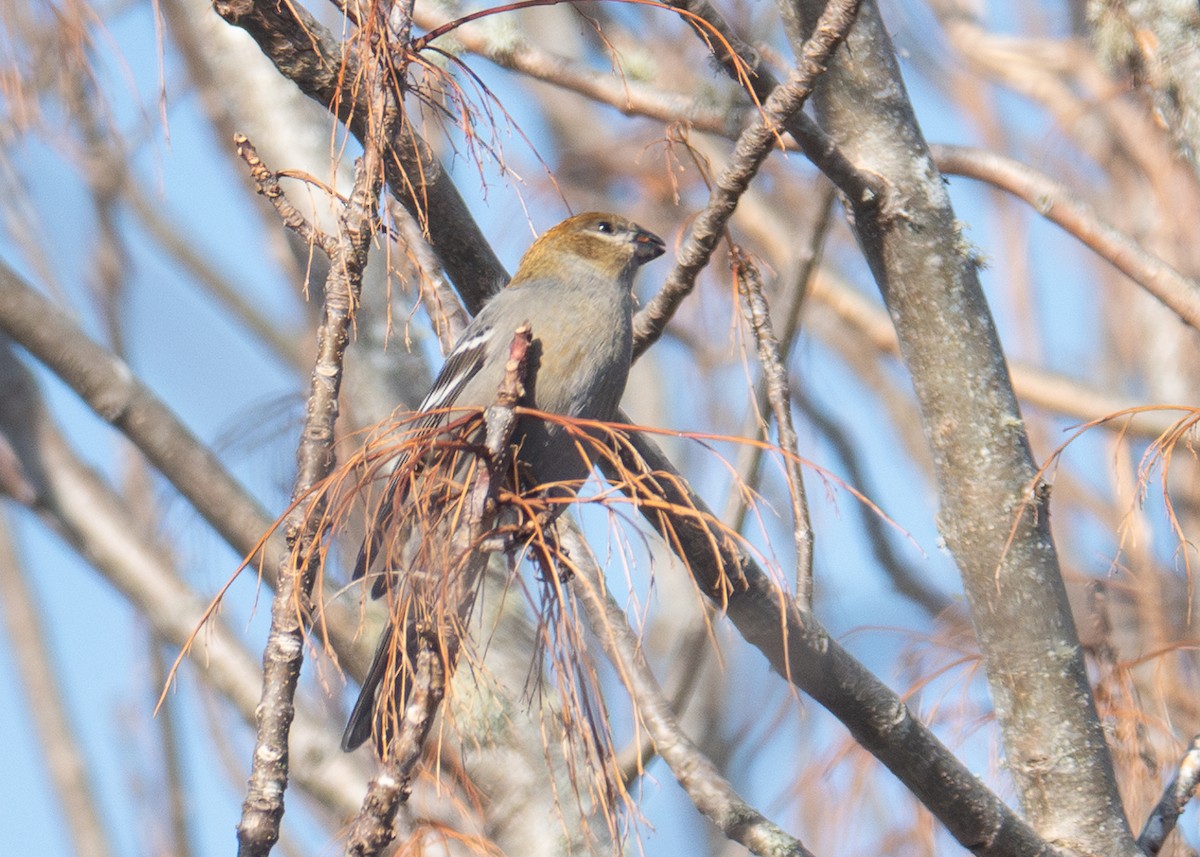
(712, 794)
(1058, 204)
(802, 651)
(1175, 797)
(816, 144)
(751, 150)
(99, 524)
(309, 55)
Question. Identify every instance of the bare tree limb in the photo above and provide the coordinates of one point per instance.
(710, 792)
(779, 395)
(796, 288)
(310, 56)
(749, 153)
(993, 514)
(373, 828)
(97, 523)
(801, 650)
(817, 146)
(27, 646)
(267, 183)
(262, 810)
(1058, 204)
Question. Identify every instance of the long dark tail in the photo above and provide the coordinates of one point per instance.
(362, 717)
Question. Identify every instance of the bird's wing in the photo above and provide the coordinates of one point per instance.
(463, 364)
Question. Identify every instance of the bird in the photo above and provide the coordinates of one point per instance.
(574, 288)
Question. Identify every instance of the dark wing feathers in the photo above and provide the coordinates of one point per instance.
(358, 727)
(460, 367)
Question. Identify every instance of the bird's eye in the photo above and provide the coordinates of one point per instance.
(604, 226)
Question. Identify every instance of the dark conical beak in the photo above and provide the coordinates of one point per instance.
(647, 246)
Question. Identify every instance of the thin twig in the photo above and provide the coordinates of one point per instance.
(709, 791)
(793, 299)
(815, 143)
(631, 97)
(749, 153)
(267, 183)
(778, 394)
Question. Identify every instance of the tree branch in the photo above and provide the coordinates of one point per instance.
(27, 646)
(779, 395)
(993, 513)
(749, 153)
(310, 56)
(262, 809)
(801, 650)
(76, 502)
(711, 793)
(1058, 204)
(1175, 797)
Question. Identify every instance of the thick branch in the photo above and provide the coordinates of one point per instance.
(73, 499)
(310, 56)
(801, 651)
(993, 515)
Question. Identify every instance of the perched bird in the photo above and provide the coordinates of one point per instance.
(574, 288)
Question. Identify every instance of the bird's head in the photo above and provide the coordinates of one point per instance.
(609, 244)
